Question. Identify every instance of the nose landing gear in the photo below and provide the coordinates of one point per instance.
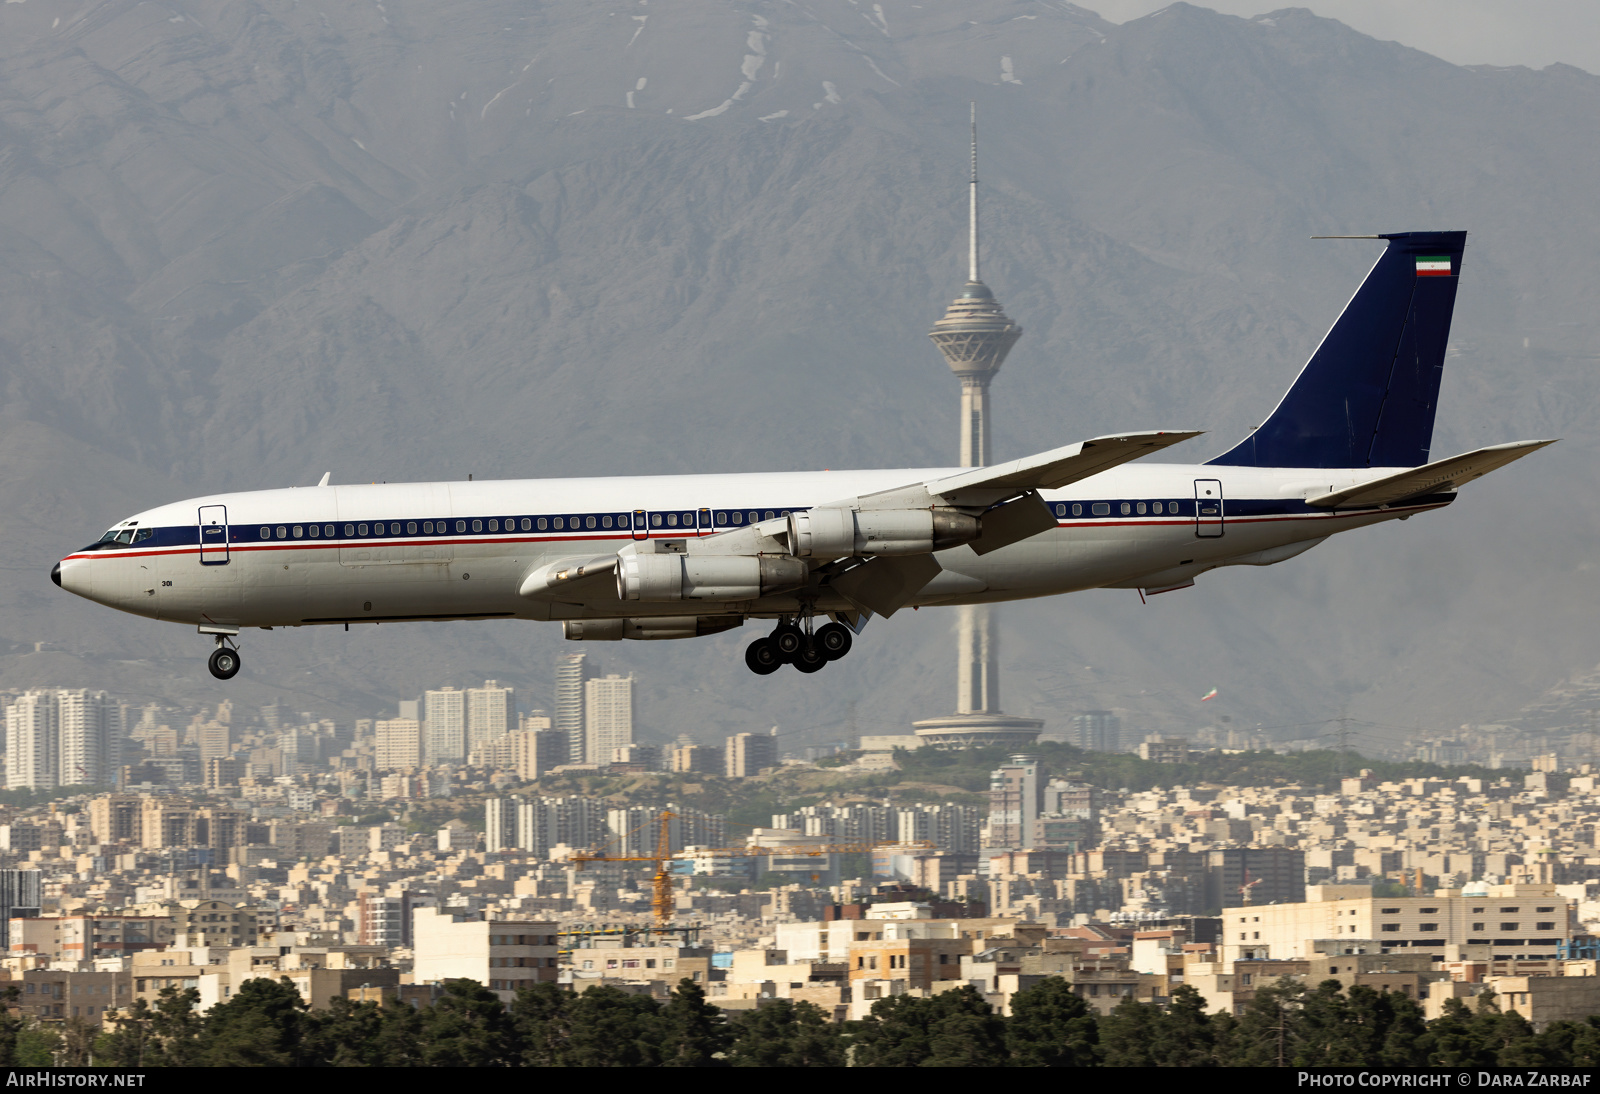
(224, 661)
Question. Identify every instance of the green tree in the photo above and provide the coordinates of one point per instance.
(347, 1034)
(164, 1035)
(1328, 1033)
(10, 1025)
(77, 1042)
(1128, 1034)
(783, 1033)
(608, 1027)
(37, 1045)
(467, 1027)
(693, 1032)
(1186, 1035)
(951, 1029)
(263, 1025)
(539, 1016)
(1051, 1026)
(1269, 1029)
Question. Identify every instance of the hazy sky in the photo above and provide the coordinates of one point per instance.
(1467, 32)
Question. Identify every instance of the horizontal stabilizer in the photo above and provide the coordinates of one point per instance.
(1431, 478)
(1056, 468)
(561, 577)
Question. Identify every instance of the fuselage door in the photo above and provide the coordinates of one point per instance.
(213, 535)
(1208, 507)
(705, 522)
(641, 529)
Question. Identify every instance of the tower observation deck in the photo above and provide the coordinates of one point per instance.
(975, 335)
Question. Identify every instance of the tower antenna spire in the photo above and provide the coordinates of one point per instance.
(972, 232)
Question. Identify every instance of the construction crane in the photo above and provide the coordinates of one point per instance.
(661, 881)
(1244, 889)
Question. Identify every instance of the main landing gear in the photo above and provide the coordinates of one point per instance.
(790, 645)
(224, 661)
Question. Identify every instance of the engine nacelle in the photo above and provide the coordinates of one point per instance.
(658, 577)
(834, 533)
(649, 628)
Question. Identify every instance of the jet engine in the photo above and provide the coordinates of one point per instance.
(836, 532)
(655, 577)
(649, 628)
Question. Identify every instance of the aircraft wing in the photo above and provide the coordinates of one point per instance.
(1056, 468)
(1430, 478)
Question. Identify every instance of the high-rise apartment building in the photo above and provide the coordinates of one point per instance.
(747, 753)
(608, 716)
(1014, 800)
(91, 731)
(572, 672)
(32, 737)
(397, 743)
(1097, 731)
(491, 713)
(21, 895)
(445, 732)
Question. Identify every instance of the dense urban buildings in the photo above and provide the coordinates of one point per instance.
(460, 839)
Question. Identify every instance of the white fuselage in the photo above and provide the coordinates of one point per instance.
(460, 550)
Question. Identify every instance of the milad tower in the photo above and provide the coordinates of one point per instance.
(975, 335)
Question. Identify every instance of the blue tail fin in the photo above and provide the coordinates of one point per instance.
(1367, 396)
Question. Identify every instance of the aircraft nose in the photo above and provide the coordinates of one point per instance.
(55, 574)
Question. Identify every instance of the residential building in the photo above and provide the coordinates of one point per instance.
(1014, 801)
(397, 744)
(502, 954)
(445, 731)
(572, 672)
(608, 716)
(491, 713)
(1507, 922)
(748, 753)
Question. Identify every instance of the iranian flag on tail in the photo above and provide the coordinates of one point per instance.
(1434, 267)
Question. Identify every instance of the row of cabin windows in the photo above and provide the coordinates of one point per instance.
(527, 524)
(603, 521)
(1126, 508)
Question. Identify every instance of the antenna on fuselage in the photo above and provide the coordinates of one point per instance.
(326, 475)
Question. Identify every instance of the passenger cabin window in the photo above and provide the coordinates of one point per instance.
(411, 527)
(298, 531)
(542, 523)
(314, 530)
(362, 529)
(1077, 510)
(655, 520)
(527, 525)
(1140, 508)
(494, 526)
(477, 526)
(672, 520)
(266, 533)
(1101, 508)
(1126, 508)
(349, 529)
(461, 526)
(738, 518)
(722, 517)
(1061, 510)
(588, 522)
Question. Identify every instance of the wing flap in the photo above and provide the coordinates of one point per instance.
(886, 584)
(1430, 478)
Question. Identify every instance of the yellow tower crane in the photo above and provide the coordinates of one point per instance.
(661, 880)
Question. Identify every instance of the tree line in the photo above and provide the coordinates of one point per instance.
(1288, 1024)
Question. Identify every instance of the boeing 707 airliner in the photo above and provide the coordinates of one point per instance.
(820, 552)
